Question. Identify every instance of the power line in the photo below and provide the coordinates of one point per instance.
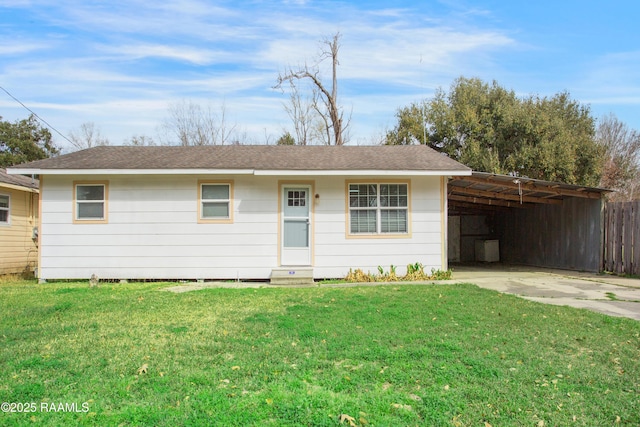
(36, 115)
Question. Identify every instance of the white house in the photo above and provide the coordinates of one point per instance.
(241, 212)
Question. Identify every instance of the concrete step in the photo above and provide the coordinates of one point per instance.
(293, 276)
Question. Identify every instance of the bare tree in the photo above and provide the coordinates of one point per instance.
(140, 141)
(267, 137)
(191, 124)
(87, 136)
(226, 133)
(302, 114)
(621, 160)
(325, 98)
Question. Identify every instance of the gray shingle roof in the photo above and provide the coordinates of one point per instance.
(256, 157)
(19, 180)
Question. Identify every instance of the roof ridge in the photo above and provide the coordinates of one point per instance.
(254, 157)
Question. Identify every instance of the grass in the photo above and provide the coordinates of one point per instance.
(611, 296)
(440, 355)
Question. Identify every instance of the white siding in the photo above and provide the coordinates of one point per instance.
(335, 253)
(153, 232)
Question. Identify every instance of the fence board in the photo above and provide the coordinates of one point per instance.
(619, 225)
(622, 238)
(636, 239)
(627, 233)
(617, 244)
(614, 237)
(608, 241)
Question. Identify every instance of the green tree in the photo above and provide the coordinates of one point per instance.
(286, 139)
(24, 141)
(490, 129)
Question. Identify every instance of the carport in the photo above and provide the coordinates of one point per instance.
(525, 221)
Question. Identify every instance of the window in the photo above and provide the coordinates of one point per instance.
(215, 202)
(4, 209)
(296, 198)
(378, 208)
(90, 202)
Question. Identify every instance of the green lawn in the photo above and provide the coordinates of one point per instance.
(441, 355)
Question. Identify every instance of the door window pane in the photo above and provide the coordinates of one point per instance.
(296, 234)
(296, 198)
(296, 204)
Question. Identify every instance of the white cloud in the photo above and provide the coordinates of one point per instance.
(123, 63)
(16, 47)
(398, 52)
(176, 53)
(148, 18)
(15, 3)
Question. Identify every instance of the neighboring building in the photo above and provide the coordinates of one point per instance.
(18, 219)
(241, 212)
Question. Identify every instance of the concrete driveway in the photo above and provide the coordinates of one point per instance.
(612, 295)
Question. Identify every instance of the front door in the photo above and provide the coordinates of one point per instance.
(296, 225)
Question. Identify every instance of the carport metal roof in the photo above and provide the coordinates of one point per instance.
(484, 192)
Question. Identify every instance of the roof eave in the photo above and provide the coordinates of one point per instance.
(29, 171)
(18, 187)
(258, 172)
(363, 172)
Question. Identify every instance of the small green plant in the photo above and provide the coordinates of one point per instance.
(391, 276)
(441, 275)
(359, 276)
(415, 268)
(415, 272)
(383, 276)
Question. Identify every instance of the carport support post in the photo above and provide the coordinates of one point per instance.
(444, 223)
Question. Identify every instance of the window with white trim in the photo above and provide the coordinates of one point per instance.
(5, 206)
(378, 208)
(215, 201)
(90, 202)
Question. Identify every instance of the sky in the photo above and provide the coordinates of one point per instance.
(122, 65)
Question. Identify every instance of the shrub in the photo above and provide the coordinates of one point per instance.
(415, 272)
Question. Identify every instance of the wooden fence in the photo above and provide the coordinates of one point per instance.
(622, 237)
